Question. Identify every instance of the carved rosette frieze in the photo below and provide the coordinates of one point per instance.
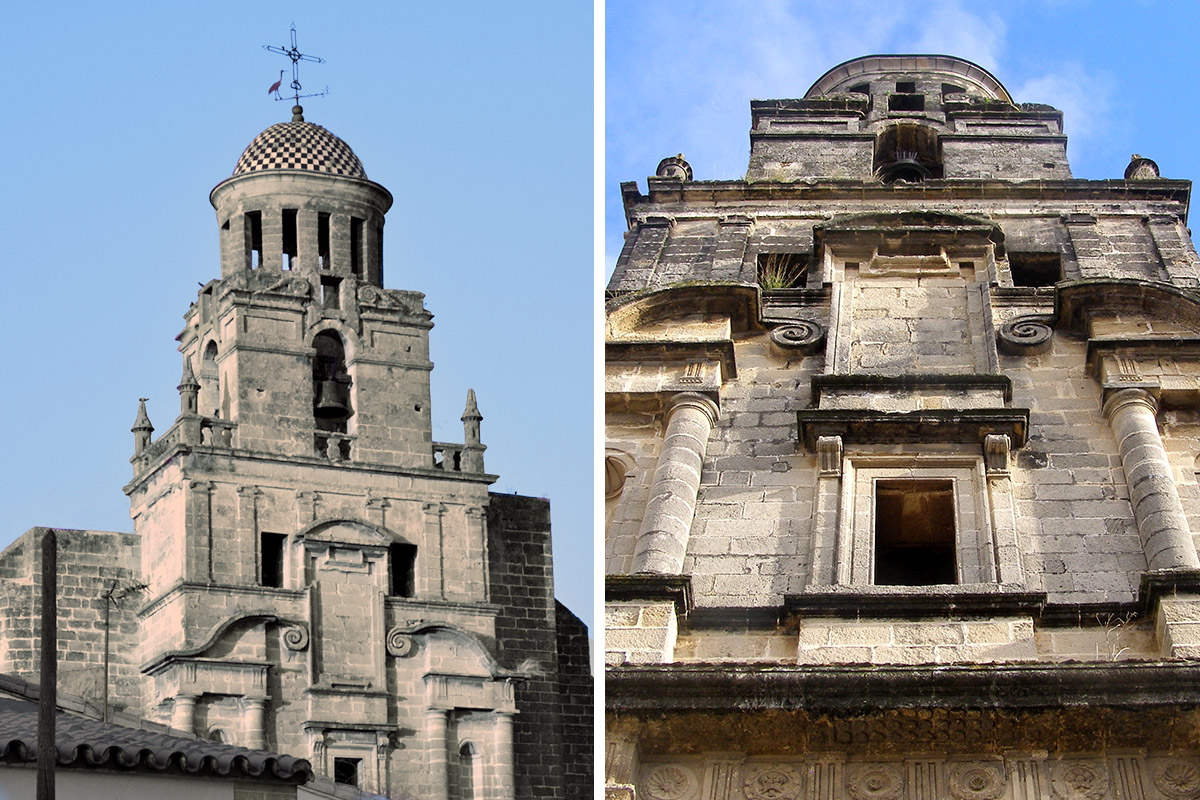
(875, 782)
(1025, 336)
(976, 781)
(1079, 780)
(772, 782)
(295, 637)
(1177, 779)
(804, 335)
(668, 782)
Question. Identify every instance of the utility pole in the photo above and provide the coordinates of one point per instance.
(47, 755)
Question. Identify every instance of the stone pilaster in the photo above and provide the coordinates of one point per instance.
(254, 722)
(666, 525)
(183, 718)
(1164, 531)
(435, 748)
(431, 569)
(504, 766)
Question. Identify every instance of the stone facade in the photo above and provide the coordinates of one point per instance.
(901, 460)
(309, 572)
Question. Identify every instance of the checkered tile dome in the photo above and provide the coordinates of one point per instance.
(299, 145)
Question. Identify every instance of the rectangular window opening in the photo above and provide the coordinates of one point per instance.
(254, 238)
(331, 292)
(377, 270)
(272, 545)
(345, 770)
(950, 88)
(323, 240)
(914, 533)
(782, 270)
(906, 102)
(1035, 269)
(289, 238)
(906, 87)
(356, 248)
(402, 569)
(862, 88)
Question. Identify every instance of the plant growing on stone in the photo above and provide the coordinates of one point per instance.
(780, 270)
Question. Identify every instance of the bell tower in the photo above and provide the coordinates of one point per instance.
(318, 566)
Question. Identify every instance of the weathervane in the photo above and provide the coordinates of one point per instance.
(296, 56)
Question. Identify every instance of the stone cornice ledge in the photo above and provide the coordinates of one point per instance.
(646, 586)
(869, 688)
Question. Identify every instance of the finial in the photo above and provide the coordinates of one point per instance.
(141, 429)
(1141, 169)
(189, 378)
(472, 410)
(674, 167)
(296, 56)
(142, 423)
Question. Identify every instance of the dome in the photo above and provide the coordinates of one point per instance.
(958, 70)
(299, 145)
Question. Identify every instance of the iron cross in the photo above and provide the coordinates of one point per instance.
(296, 56)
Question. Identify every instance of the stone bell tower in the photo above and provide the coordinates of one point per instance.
(319, 570)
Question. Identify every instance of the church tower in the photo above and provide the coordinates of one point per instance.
(323, 578)
(902, 483)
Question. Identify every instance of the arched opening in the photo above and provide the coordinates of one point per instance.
(331, 388)
(210, 382)
(469, 773)
(907, 153)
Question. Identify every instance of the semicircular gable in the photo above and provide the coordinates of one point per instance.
(1079, 304)
(348, 531)
(736, 301)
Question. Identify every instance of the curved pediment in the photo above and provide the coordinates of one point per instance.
(343, 531)
(1126, 306)
(703, 302)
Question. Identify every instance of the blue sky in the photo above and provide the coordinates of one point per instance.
(121, 117)
(679, 76)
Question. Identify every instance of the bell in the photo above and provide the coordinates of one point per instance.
(329, 404)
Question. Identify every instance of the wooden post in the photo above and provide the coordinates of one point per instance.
(48, 691)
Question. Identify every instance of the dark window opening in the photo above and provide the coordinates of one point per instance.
(254, 238)
(331, 292)
(331, 383)
(907, 152)
(1035, 269)
(323, 240)
(272, 545)
(225, 227)
(345, 770)
(782, 270)
(862, 88)
(377, 270)
(950, 88)
(914, 533)
(906, 102)
(356, 245)
(402, 569)
(906, 87)
(289, 238)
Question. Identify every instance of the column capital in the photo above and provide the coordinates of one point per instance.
(1126, 397)
(693, 400)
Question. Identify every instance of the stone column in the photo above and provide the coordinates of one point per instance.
(184, 716)
(503, 765)
(254, 720)
(662, 541)
(1166, 537)
(435, 738)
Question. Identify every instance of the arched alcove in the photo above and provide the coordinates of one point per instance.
(907, 152)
